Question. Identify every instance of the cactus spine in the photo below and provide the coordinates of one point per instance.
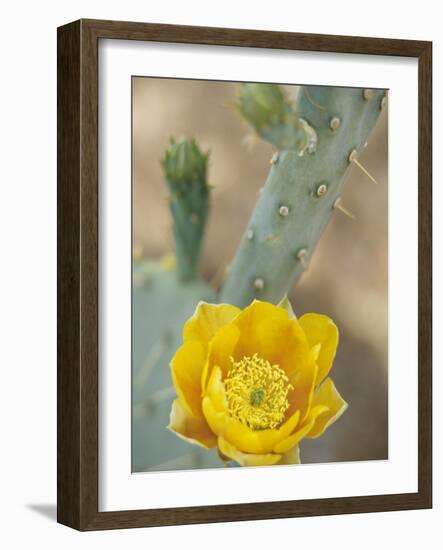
(185, 169)
(303, 186)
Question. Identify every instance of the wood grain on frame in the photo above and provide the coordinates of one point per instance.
(77, 316)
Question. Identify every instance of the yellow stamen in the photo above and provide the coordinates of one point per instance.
(257, 392)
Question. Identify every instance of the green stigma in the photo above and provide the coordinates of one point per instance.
(257, 397)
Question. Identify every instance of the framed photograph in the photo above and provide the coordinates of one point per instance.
(244, 275)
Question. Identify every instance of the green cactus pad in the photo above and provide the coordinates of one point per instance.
(160, 306)
(299, 195)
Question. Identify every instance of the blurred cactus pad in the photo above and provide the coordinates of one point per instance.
(317, 133)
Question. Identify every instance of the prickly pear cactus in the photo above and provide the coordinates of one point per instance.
(318, 135)
(304, 183)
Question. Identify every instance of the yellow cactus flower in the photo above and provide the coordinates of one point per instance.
(254, 382)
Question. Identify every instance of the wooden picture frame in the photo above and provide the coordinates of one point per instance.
(78, 274)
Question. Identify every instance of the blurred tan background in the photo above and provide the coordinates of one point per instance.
(348, 275)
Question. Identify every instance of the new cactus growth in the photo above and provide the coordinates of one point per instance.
(301, 190)
(273, 116)
(185, 170)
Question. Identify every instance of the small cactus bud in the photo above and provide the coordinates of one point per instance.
(185, 168)
(184, 163)
(263, 105)
(275, 119)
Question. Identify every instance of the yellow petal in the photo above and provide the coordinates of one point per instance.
(246, 459)
(187, 367)
(272, 339)
(303, 381)
(291, 457)
(328, 396)
(283, 342)
(248, 321)
(221, 349)
(237, 434)
(294, 439)
(188, 427)
(207, 320)
(216, 390)
(320, 329)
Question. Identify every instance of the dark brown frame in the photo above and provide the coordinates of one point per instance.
(77, 457)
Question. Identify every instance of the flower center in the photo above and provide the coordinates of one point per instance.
(257, 392)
